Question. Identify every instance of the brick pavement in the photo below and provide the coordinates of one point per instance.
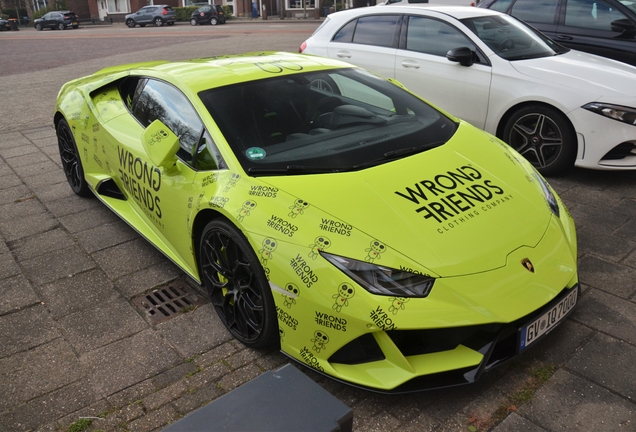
(72, 345)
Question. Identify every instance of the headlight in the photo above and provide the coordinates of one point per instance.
(383, 280)
(549, 196)
(615, 112)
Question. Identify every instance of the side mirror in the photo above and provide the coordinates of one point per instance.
(463, 55)
(623, 26)
(161, 144)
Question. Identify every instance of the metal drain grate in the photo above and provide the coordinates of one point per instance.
(168, 301)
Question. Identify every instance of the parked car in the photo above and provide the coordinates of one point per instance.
(212, 14)
(57, 20)
(602, 27)
(154, 14)
(328, 212)
(429, 3)
(494, 71)
(4, 24)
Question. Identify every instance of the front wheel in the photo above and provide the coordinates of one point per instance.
(194, 22)
(38, 27)
(130, 23)
(544, 136)
(237, 286)
(71, 162)
(158, 22)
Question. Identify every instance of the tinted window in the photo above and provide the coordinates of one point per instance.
(591, 14)
(501, 5)
(346, 33)
(378, 30)
(435, 37)
(332, 121)
(537, 11)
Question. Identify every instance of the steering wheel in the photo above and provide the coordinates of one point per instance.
(507, 44)
(324, 105)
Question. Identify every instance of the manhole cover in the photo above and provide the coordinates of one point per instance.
(169, 301)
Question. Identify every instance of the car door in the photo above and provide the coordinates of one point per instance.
(145, 15)
(591, 26)
(421, 65)
(50, 20)
(369, 42)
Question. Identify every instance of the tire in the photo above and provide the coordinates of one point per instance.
(61, 26)
(213, 21)
(130, 23)
(38, 27)
(194, 22)
(71, 162)
(236, 283)
(544, 136)
(158, 22)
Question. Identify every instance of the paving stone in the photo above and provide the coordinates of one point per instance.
(9, 180)
(381, 423)
(209, 375)
(174, 375)
(72, 205)
(8, 266)
(609, 363)
(36, 372)
(602, 243)
(13, 152)
(105, 236)
(215, 354)
(272, 360)
(116, 420)
(18, 228)
(92, 412)
(102, 324)
(76, 293)
(570, 403)
(31, 169)
(191, 401)
(239, 376)
(50, 406)
(600, 198)
(631, 261)
(26, 329)
(39, 133)
(20, 160)
(243, 357)
(16, 293)
(627, 230)
(144, 280)
(52, 192)
(609, 314)
(128, 257)
(41, 243)
(153, 419)
(22, 209)
(204, 322)
(132, 394)
(610, 277)
(15, 194)
(626, 206)
(593, 217)
(13, 139)
(422, 423)
(57, 265)
(90, 218)
(127, 362)
(46, 179)
(515, 422)
(165, 395)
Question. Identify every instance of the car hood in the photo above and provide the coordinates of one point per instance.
(582, 72)
(457, 209)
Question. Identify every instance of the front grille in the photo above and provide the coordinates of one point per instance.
(621, 151)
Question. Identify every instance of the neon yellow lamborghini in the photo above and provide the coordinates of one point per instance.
(328, 211)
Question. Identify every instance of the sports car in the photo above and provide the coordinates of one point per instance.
(329, 212)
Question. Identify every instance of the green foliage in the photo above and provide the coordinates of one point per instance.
(79, 426)
(184, 13)
(11, 13)
(39, 13)
(227, 11)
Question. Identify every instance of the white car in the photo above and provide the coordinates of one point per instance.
(557, 107)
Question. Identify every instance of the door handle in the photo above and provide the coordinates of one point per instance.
(564, 37)
(343, 54)
(410, 64)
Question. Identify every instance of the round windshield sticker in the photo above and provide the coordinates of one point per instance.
(255, 153)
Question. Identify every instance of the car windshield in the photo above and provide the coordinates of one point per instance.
(631, 4)
(328, 121)
(510, 39)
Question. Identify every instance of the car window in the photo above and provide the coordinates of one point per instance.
(431, 36)
(501, 5)
(338, 120)
(158, 100)
(591, 14)
(345, 34)
(378, 30)
(535, 11)
(630, 4)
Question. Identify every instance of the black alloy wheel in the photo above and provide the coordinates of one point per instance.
(71, 163)
(237, 286)
(544, 136)
(158, 22)
(38, 27)
(61, 26)
(130, 23)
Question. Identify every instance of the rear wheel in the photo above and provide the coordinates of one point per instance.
(213, 21)
(194, 22)
(71, 163)
(158, 22)
(61, 26)
(130, 23)
(237, 286)
(544, 136)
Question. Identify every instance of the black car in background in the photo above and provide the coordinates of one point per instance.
(602, 27)
(153, 14)
(57, 20)
(212, 14)
(4, 24)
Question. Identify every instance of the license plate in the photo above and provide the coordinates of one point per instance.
(74, 23)
(548, 321)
